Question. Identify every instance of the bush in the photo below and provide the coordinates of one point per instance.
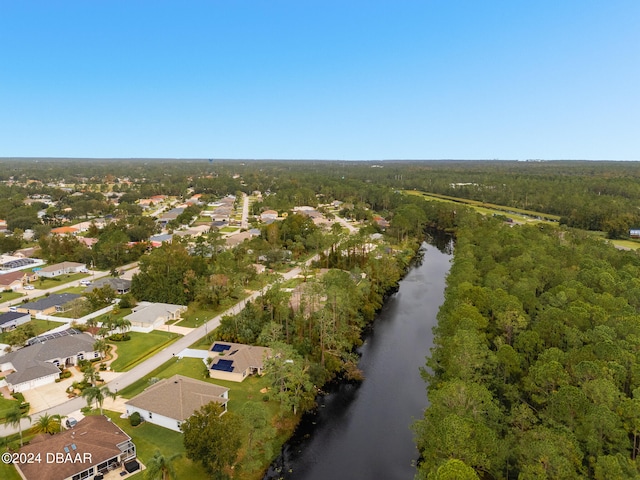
(135, 419)
(127, 301)
(119, 337)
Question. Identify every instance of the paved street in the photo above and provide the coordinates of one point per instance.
(127, 378)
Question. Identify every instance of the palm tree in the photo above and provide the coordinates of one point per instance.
(58, 418)
(161, 467)
(122, 324)
(101, 346)
(90, 374)
(14, 417)
(47, 424)
(98, 394)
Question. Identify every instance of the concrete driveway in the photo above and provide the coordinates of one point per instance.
(48, 396)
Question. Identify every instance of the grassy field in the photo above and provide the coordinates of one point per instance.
(10, 296)
(140, 347)
(45, 283)
(195, 316)
(490, 208)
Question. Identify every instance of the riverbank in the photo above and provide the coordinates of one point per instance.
(362, 430)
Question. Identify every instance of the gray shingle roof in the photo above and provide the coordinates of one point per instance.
(32, 362)
(53, 300)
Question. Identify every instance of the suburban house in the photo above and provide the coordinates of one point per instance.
(268, 215)
(65, 231)
(12, 280)
(170, 215)
(63, 268)
(10, 320)
(91, 449)
(118, 285)
(38, 364)
(147, 316)
(171, 401)
(157, 240)
(14, 263)
(54, 303)
(236, 361)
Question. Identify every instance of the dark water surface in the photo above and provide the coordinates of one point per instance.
(363, 432)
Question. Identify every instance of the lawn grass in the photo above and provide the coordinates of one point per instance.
(78, 290)
(45, 283)
(10, 296)
(8, 472)
(140, 347)
(195, 316)
(39, 326)
(6, 406)
(148, 438)
(239, 395)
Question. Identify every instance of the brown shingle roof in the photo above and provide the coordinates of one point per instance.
(94, 435)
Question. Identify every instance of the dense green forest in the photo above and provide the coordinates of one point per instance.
(534, 373)
(589, 195)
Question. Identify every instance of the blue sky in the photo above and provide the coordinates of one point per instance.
(309, 79)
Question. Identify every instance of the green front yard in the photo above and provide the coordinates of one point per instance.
(45, 283)
(148, 438)
(6, 406)
(196, 316)
(9, 296)
(140, 347)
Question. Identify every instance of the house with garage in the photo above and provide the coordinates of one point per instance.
(54, 303)
(118, 285)
(171, 401)
(93, 448)
(10, 320)
(147, 316)
(51, 271)
(12, 280)
(40, 362)
(236, 361)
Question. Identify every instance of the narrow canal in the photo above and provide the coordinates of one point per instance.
(363, 432)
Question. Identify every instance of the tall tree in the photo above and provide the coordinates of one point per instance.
(212, 439)
(98, 395)
(14, 417)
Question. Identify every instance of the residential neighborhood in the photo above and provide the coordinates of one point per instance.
(146, 310)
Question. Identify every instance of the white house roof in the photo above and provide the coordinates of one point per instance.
(150, 312)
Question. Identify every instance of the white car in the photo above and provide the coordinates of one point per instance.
(29, 287)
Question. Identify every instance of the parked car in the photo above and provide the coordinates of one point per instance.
(71, 422)
(85, 283)
(29, 287)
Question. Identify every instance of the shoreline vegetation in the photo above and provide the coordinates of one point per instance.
(534, 373)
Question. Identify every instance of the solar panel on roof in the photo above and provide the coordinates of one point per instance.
(223, 366)
(219, 347)
(66, 449)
